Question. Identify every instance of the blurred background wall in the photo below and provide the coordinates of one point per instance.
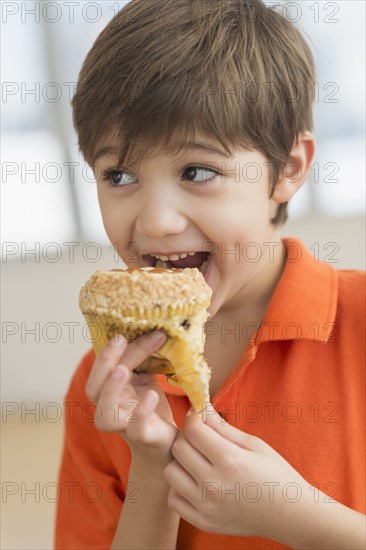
(52, 237)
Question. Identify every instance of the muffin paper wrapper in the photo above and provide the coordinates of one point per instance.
(174, 358)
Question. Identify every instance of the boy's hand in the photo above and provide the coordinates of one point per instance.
(131, 404)
(228, 482)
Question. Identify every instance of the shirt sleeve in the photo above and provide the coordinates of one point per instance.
(90, 483)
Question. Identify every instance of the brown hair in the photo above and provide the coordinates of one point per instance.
(233, 69)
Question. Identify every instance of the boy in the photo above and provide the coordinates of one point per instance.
(196, 118)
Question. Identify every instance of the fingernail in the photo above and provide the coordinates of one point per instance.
(158, 336)
(209, 408)
(118, 373)
(118, 340)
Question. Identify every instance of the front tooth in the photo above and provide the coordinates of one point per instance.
(191, 253)
(163, 258)
(184, 255)
(174, 257)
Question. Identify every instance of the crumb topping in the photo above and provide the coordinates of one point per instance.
(145, 287)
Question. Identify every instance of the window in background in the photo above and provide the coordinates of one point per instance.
(37, 207)
(336, 31)
(81, 25)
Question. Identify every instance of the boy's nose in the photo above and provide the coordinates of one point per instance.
(158, 218)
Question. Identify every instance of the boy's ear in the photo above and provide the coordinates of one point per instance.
(297, 168)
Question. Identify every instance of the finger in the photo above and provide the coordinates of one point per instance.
(117, 405)
(120, 409)
(103, 365)
(211, 444)
(217, 423)
(148, 427)
(182, 507)
(138, 350)
(181, 481)
(190, 458)
(116, 351)
(147, 403)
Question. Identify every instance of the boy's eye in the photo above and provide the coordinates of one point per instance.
(199, 173)
(118, 178)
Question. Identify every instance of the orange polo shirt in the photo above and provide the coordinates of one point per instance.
(300, 386)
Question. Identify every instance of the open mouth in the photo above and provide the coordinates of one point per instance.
(197, 259)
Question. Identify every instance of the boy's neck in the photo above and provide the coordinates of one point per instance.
(251, 303)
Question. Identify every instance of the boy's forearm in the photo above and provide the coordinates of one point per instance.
(327, 526)
(146, 521)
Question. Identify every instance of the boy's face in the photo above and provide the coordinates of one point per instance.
(194, 201)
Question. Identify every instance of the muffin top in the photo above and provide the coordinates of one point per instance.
(144, 288)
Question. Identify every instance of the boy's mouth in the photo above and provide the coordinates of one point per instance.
(178, 260)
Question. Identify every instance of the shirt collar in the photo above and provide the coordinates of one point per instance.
(304, 303)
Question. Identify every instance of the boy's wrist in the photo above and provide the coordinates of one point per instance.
(147, 478)
(319, 522)
(298, 527)
(151, 463)
(293, 522)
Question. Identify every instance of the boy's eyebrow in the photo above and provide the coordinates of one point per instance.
(206, 147)
(109, 150)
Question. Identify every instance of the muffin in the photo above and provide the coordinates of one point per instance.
(134, 301)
